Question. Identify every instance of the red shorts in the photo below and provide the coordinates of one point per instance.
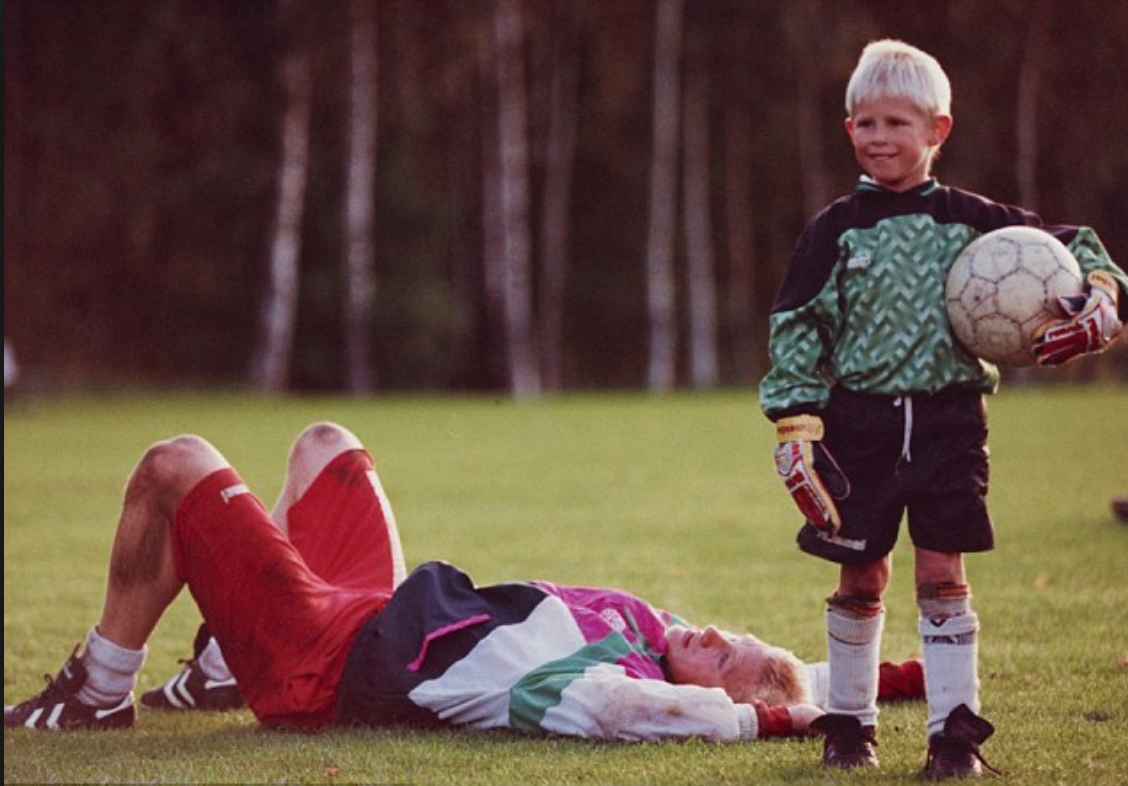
(286, 611)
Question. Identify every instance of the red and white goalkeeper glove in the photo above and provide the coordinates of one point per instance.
(809, 472)
(1091, 326)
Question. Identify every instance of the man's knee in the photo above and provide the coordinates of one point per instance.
(170, 469)
(319, 444)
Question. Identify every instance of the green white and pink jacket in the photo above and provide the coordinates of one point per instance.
(529, 656)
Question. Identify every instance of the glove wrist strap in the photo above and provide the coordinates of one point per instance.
(806, 428)
(1101, 281)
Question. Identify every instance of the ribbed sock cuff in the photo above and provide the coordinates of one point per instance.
(111, 669)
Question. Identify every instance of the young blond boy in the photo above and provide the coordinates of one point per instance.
(879, 411)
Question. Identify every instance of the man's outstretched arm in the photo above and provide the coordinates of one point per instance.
(604, 703)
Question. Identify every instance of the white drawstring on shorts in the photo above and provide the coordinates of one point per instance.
(906, 453)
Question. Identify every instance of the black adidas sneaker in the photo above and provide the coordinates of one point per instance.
(57, 706)
(191, 689)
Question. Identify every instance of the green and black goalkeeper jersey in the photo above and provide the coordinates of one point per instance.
(863, 301)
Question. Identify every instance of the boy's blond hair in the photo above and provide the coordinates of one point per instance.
(894, 69)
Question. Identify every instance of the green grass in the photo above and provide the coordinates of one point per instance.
(673, 498)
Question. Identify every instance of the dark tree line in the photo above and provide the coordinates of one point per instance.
(496, 194)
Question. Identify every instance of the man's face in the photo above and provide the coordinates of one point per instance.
(714, 659)
(894, 141)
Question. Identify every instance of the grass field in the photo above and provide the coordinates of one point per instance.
(672, 498)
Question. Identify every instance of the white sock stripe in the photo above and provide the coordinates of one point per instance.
(962, 629)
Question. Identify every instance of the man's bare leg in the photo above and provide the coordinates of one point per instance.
(312, 452)
(142, 579)
(205, 682)
(94, 690)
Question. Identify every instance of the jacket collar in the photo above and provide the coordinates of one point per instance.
(867, 185)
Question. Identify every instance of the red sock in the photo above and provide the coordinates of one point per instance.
(900, 681)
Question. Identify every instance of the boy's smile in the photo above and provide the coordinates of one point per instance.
(894, 141)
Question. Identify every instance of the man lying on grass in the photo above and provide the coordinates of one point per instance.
(312, 614)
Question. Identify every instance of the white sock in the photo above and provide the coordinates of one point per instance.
(111, 671)
(818, 675)
(951, 670)
(212, 664)
(854, 648)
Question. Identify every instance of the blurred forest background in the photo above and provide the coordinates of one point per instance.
(513, 195)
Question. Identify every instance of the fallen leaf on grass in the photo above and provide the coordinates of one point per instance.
(1043, 580)
(332, 772)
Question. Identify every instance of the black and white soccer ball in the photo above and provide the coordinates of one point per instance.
(1003, 287)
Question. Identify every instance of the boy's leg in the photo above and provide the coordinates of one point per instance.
(948, 517)
(94, 689)
(949, 630)
(949, 633)
(855, 617)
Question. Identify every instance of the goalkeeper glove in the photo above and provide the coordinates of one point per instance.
(809, 472)
(1092, 324)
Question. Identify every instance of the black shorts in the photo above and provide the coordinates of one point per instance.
(939, 475)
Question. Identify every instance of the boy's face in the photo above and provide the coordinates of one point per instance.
(894, 141)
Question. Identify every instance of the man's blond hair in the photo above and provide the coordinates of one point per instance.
(782, 680)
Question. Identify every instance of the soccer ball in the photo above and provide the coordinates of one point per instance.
(1003, 287)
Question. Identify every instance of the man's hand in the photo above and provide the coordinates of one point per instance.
(1091, 326)
(800, 448)
(802, 716)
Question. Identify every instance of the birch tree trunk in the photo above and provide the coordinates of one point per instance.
(661, 303)
(701, 281)
(271, 362)
(739, 213)
(559, 153)
(360, 252)
(802, 34)
(522, 367)
(741, 305)
(493, 232)
(1034, 59)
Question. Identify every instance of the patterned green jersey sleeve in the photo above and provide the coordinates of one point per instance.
(805, 320)
(1091, 255)
(800, 344)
